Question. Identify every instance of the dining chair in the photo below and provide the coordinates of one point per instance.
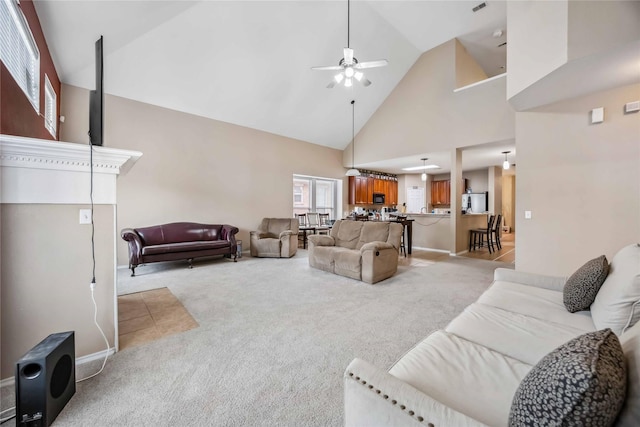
(477, 236)
(313, 219)
(324, 223)
(302, 219)
(302, 234)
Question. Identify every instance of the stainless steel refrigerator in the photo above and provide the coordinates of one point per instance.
(475, 202)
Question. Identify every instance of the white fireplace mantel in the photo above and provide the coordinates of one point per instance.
(53, 172)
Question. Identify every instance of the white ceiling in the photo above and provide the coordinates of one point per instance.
(249, 62)
(473, 158)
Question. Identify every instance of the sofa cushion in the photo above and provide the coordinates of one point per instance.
(275, 226)
(583, 285)
(539, 303)
(373, 232)
(582, 382)
(467, 377)
(630, 413)
(346, 233)
(504, 331)
(617, 304)
(178, 232)
(185, 247)
(267, 246)
(322, 257)
(347, 262)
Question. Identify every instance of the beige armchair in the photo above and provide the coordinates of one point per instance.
(275, 238)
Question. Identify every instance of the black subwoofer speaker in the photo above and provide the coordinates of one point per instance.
(45, 380)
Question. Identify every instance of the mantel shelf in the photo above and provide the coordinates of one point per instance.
(37, 171)
(34, 153)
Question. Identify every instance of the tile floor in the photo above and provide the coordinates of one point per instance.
(147, 316)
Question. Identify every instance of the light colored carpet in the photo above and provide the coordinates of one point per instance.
(275, 337)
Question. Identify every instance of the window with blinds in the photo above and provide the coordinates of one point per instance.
(18, 50)
(50, 106)
(313, 194)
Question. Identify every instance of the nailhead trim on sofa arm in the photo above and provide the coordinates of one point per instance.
(386, 397)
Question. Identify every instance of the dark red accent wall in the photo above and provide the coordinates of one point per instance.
(17, 115)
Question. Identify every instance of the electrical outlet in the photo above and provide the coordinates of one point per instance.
(85, 216)
(527, 214)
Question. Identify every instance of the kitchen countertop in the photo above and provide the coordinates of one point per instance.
(435, 215)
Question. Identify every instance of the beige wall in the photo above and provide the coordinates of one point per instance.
(423, 113)
(46, 271)
(477, 180)
(581, 182)
(495, 190)
(467, 69)
(598, 26)
(537, 41)
(198, 169)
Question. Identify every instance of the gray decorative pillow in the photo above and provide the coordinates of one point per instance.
(582, 287)
(581, 383)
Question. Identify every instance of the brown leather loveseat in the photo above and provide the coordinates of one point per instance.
(177, 241)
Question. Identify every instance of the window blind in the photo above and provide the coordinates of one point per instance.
(49, 107)
(18, 50)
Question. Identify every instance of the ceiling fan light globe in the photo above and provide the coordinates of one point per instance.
(348, 82)
(358, 75)
(338, 77)
(349, 72)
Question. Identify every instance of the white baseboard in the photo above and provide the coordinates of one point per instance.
(461, 252)
(10, 382)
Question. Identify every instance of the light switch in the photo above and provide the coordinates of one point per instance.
(527, 214)
(85, 216)
(597, 115)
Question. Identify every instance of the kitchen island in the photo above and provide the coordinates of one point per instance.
(433, 231)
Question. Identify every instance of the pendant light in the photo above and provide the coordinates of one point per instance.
(505, 164)
(353, 171)
(423, 177)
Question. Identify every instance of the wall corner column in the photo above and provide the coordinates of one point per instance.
(457, 240)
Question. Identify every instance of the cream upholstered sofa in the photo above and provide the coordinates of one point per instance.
(361, 250)
(275, 238)
(468, 373)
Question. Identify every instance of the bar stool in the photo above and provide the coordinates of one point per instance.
(401, 219)
(477, 235)
(496, 231)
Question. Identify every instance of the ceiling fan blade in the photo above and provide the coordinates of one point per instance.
(365, 82)
(348, 56)
(331, 84)
(371, 64)
(328, 67)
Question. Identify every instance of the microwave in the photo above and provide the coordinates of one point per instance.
(378, 198)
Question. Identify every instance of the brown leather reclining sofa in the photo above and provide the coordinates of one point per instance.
(177, 241)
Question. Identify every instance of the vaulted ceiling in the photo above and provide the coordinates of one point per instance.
(249, 62)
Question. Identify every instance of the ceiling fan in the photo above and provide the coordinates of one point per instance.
(349, 67)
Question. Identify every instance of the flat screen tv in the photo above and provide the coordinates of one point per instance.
(96, 101)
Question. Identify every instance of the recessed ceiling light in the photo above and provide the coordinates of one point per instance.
(417, 168)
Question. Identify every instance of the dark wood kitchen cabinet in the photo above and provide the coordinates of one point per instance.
(441, 192)
(360, 190)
